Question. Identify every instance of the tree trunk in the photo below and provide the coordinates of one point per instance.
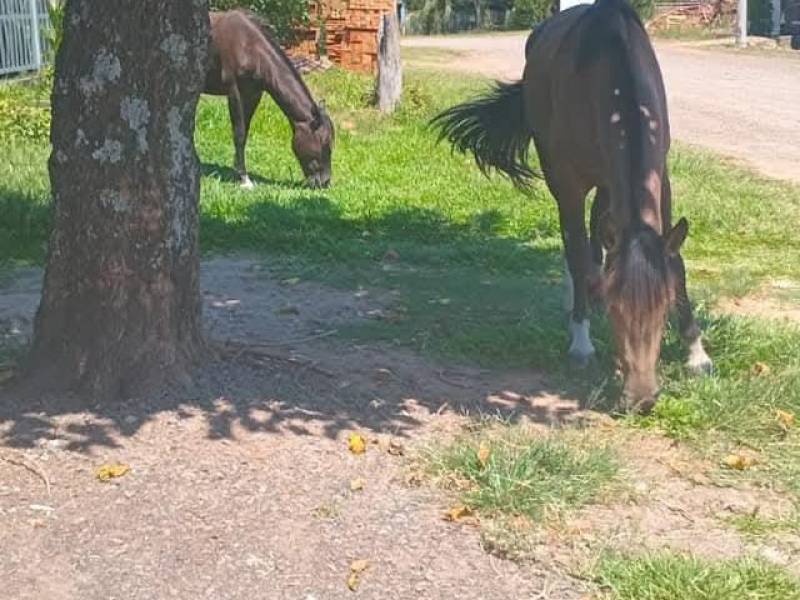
(121, 304)
(390, 68)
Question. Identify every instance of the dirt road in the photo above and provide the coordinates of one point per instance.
(739, 104)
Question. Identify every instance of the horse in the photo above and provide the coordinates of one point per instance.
(592, 99)
(244, 62)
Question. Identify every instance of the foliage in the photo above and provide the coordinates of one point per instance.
(526, 14)
(284, 16)
(667, 576)
(521, 471)
(645, 8)
(54, 33)
(24, 112)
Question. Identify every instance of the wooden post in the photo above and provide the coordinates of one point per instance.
(390, 68)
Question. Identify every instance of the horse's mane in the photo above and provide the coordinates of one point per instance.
(639, 274)
(266, 29)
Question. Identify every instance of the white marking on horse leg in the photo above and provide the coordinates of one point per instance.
(246, 184)
(581, 346)
(699, 362)
(569, 290)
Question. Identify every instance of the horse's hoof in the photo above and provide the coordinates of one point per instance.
(246, 184)
(700, 366)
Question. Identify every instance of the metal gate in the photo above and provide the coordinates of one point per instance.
(22, 45)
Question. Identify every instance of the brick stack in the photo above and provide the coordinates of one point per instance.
(351, 32)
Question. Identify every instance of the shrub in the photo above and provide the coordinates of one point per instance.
(283, 15)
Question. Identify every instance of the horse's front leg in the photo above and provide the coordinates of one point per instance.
(698, 362)
(236, 110)
(576, 249)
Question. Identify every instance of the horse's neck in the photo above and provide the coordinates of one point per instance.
(283, 83)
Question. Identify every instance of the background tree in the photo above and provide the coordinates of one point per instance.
(121, 303)
(283, 15)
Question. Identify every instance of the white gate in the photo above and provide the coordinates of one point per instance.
(22, 46)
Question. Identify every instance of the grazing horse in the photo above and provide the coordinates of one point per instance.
(592, 99)
(245, 60)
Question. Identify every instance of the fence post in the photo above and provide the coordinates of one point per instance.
(37, 42)
(390, 68)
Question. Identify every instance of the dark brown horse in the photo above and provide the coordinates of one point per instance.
(593, 101)
(244, 62)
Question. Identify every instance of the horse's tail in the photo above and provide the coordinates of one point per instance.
(494, 129)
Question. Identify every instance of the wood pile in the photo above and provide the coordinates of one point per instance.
(351, 32)
(689, 13)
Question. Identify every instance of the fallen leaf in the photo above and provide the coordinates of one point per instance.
(395, 448)
(760, 368)
(291, 281)
(108, 472)
(483, 453)
(289, 309)
(356, 485)
(786, 419)
(356, 443)
(740, 462)
(457, 513)
(356, 568)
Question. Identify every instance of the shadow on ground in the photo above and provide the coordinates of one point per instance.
(364, 340)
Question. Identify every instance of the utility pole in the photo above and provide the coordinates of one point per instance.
(741, 24)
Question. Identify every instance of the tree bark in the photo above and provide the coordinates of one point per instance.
(390, 68)
(121, 306)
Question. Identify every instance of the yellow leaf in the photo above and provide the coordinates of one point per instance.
(760, 368)
(356, 485)
(483, 453)
(108, 472)
(356, 568)
(786, 419)
(352, 581)
(457, 513)
(291, 281)
(740, 462)
(356, 444)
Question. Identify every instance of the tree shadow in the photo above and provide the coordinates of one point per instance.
(227, 174)
(300, 382)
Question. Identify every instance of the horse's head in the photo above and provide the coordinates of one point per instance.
(313, 146)
(640, 288)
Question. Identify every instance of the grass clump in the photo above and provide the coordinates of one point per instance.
(516, 470)
(667, 576)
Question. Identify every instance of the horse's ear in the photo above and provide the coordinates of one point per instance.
(676, 236)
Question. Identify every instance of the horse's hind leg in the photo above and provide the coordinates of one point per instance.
(599, 213)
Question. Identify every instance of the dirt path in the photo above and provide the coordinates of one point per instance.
(241, 488)
(742, 105)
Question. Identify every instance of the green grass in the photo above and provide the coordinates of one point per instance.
(670, 577)
(755, 526)
(478, 273)
(527, 473)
